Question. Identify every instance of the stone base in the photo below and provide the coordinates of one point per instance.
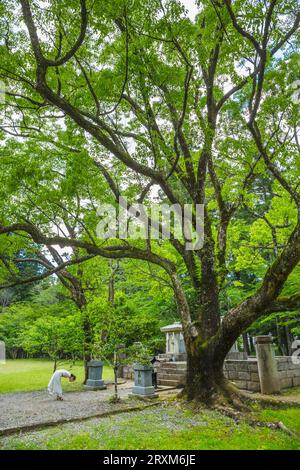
(172, 357)
(91, 388)
(143, 397)
(143, 391)
(95, 385)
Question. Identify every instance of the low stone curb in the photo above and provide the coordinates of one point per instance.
(37, 426)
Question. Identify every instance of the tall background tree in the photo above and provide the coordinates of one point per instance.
(149, 103)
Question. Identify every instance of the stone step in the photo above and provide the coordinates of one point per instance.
(172, 370)
(177, 377)
(169, 365)
(169, 383)
(180, 364)
(180, 373)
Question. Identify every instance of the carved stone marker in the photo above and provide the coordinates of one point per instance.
(267, 365)
(94, 381)
(143, 381)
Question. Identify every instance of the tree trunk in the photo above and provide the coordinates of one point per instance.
(205, 380)
(246, 344)
(288, 340)
(252, 347)
(87, 330)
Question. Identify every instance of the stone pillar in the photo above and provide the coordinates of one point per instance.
(267, 365)
(167, 343)
(176, 343)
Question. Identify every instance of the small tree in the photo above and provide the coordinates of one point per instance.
(141, 354)
(56, 337)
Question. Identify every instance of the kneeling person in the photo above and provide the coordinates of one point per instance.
(54, 386)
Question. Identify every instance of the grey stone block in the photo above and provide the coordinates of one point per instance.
(231, 367)
(243, 366)
(292, 366)
(296, 381)
(286, 383)
(253, 386)
(282, 366)
(281, 359)
(244, 375)
(283, 373)
(233, 375)
(241, 384)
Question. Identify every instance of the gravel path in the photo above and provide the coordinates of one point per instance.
(22, 409)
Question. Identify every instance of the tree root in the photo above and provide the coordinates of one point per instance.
(236, 404)
(225, 395)
(239, 417)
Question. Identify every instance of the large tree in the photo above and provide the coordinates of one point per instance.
(202, 109)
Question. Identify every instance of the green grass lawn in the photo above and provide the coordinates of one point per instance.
(163, 427)
(24, 375)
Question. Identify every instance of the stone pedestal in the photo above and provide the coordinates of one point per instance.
(143, 381)
(267, 365)
(95, 381)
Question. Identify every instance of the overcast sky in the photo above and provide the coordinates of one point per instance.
(191, 7)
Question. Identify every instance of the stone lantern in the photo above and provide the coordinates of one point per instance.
(175, 347)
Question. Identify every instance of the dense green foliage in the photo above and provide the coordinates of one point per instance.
(50, 325)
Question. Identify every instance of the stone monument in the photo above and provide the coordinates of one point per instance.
(94, 381)
(143, 381)
(175, 347)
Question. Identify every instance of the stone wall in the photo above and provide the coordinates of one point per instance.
(289, 373)
(245, 373)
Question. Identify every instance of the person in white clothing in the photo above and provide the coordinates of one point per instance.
(54, 386)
